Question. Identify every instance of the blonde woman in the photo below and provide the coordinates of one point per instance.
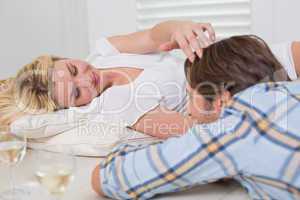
(144, 90)
(123, 79)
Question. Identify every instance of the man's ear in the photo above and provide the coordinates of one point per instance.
(217, 104)
(226, 97)
(221, 100)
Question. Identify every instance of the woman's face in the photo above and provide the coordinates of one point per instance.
(76, 83)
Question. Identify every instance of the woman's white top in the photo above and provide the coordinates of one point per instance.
(283, 52)
(162, 82)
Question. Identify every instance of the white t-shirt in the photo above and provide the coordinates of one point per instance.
(162, 82)
(283, 52)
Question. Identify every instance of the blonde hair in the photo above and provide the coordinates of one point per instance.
(29, 92)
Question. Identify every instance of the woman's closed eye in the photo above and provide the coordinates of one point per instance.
(73, 70)
(77, 93)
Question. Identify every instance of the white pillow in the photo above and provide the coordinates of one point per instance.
(45, 125)
(87, 134)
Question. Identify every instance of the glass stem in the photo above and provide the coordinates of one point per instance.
(11, 180)
(57, 197)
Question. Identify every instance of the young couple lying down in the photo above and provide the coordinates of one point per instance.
(245, 131)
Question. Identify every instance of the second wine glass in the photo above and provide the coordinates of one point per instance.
(54, 169)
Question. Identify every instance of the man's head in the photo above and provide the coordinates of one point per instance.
(226, 68)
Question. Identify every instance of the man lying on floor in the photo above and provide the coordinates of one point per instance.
(246, 132)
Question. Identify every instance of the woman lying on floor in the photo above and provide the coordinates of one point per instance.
(251, 134)
(131, 84)
(145, 91)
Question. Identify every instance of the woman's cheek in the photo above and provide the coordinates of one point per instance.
(90, 94)
(86, 98)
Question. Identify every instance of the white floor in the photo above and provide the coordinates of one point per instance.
(81, 190)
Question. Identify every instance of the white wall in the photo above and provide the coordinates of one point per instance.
(34, 27)
(69, 27)
(276, 20)
(112, 17)
(286, 20)
(273, 20)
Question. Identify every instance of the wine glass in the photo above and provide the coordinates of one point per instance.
(54, 169)
(12, 152)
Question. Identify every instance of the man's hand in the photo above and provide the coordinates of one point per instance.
(95, 181)
(190, 36)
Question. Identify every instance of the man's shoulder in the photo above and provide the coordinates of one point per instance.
(267, 91)
(266, 96)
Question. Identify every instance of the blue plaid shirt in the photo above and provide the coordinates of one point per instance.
(256, 141)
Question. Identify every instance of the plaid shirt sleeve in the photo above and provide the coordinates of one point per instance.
(198, 157)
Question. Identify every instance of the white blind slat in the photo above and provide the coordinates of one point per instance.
(144, 4)
(229, 17)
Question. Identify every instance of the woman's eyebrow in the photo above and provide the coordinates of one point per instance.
(69, 68)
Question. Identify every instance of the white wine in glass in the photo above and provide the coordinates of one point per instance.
(12, 151)
(55, 170)
(54, 180)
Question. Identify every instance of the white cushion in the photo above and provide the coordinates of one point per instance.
(45, 125)
(87, 134)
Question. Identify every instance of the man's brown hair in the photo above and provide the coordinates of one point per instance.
(233, 64)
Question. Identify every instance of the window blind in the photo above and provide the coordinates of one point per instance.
(229, 17)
